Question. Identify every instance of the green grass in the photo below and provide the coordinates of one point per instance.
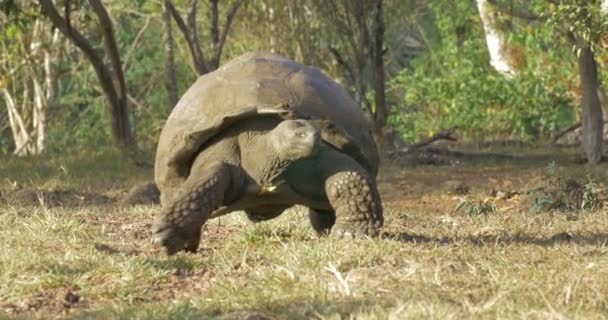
(435, 263)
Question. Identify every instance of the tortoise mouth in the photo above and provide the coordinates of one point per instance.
(295, 139)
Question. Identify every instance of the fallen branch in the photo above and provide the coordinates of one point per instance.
(441, 135)
(564, 132)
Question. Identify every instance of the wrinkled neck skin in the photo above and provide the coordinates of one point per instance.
(261, 159)
(267, 154)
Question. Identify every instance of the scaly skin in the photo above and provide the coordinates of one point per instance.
(180, 225)
(357, 204)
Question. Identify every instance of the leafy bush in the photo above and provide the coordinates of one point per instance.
(454, 85)
(560, 194)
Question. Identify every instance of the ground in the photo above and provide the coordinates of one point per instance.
(72, 252)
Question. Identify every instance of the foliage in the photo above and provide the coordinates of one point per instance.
(475, 207)
(565, 195)
(436, 63)
(454, 84)
(582, 19)
(590, 199)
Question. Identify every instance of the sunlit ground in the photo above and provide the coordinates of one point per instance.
(87, 257)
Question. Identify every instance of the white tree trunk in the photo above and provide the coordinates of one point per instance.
(20, 135)
(34, 78)
(494, 39)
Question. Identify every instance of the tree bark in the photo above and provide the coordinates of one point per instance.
(592, 119)
(217, 36)
(112, 83)
(171, 80)
(120, 115)
(495, 41)
(190, 35)
(220, 38)
(377, 56)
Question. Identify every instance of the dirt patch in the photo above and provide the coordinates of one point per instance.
(58, 301)
(28, 197)
(247, 315)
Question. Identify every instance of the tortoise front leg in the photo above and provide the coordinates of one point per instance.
(353, 195)
(203, 192)
(322, 220)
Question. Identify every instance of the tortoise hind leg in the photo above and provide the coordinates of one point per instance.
(202, 193)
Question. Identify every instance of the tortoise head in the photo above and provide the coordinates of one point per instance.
(295, 139)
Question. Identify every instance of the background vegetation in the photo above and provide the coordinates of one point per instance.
(437, 69)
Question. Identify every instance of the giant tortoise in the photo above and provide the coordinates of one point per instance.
(261, 134)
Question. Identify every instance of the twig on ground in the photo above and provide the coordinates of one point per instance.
(441, 135)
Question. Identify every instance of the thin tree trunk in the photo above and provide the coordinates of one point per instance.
(190, 35)
(381, 112)
(193, 29)
(214, 30)
(223, 34)
(17, 123)
(171, 80)
(592, 119)
(120, 114)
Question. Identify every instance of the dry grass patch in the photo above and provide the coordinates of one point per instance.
(433, 262)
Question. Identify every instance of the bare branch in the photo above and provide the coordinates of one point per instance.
(62, 24)
(225, 30)
(135, 42)
(441, 135)
(214, 24)
(195, 51)
(200, 57)
(171, 80)
(68, 11)
(347, 68)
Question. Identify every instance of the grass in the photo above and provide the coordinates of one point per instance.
(434, 262)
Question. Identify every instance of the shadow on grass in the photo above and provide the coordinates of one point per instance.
(489, 240)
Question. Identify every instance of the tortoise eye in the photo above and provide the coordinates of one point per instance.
(300, 134)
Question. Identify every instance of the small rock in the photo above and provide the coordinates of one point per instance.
(456, 187)
(502, 195)
(70, 299)
(145, 193)
(105, 248)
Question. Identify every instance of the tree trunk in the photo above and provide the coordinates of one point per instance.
(112, 81)
(119, 117)
(592, 119)
(20, 135)
(171, 81)
(495, 42)
(381, 112)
